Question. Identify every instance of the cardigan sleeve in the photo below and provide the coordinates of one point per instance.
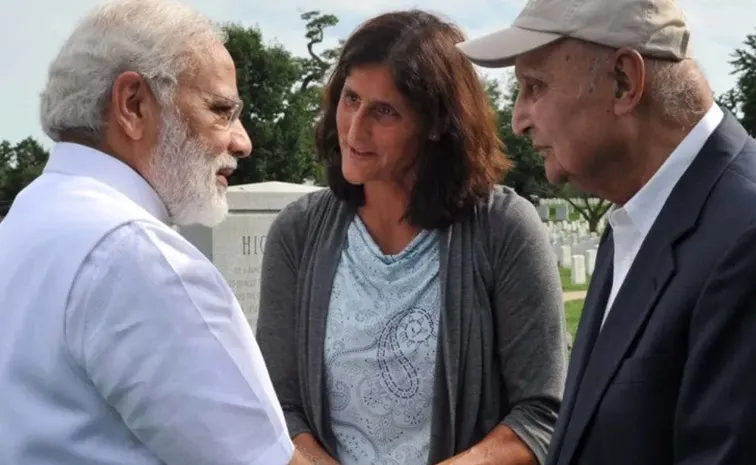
(530, 320)
(277, 317)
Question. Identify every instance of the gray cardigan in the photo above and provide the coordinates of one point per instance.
(502, 345)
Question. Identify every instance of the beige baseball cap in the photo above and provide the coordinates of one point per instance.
(655, 28)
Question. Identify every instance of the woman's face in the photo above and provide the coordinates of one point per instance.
(378, 131)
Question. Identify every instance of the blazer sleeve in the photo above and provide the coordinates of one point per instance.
(277, 318)
(716, 410)
(531, 332)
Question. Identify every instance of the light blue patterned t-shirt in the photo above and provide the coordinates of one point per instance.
(380, 349)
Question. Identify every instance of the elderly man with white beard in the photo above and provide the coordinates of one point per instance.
(120, 343)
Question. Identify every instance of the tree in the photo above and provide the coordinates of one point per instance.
(317, 66)
(742, 99)
(20, 164)
(282, 96)
(265, 78)
(6, 151)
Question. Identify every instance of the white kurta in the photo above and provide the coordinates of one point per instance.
(120, 343)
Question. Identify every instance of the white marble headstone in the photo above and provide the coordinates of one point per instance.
(590, 261)
(543, 212)
(565, 261)
(577, 270)
(561, 212)
(236, 245)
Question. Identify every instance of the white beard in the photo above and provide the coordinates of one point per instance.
(183, 171)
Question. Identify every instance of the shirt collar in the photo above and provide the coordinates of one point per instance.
(80, 160)
(643, 208)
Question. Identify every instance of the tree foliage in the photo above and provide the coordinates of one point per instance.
(19, 165)
(281, 94)
(316, 66)
(741, 100)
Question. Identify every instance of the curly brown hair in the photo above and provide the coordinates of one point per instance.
(463, 157)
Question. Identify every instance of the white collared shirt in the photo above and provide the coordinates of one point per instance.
(632, 222)
(120, 343)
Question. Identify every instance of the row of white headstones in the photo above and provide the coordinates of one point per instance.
(575, 248)
(574, 244)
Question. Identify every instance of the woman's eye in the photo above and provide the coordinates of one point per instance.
(385, 111)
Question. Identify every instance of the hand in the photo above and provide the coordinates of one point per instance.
(500, 447)
(300, 458)
(309, 452)
(460, 459)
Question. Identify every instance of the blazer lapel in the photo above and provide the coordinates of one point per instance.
(649, 275)
(622, 324)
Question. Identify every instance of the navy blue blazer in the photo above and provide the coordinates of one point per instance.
(671, 377)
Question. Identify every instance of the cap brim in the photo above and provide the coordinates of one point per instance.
(499, 49)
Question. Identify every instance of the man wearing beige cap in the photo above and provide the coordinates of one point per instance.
(662, 369)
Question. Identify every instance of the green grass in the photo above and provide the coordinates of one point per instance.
(567, 285)
(572, 308)
(572, 311)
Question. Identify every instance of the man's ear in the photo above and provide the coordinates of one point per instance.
(629, 77)
(132, 104)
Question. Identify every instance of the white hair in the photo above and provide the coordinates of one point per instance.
(677, 90)
(159, 39)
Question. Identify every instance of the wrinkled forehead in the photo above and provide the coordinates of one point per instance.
(212, 68)
(559, 60)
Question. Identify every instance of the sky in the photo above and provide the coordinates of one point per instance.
(39, 27)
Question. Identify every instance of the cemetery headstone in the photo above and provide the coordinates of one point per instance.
(236, 245)
(590, 261)
(577, 270)
(565, 259)
(561, 212)
(543, 212)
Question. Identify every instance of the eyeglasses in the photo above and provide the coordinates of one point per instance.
(228, 109)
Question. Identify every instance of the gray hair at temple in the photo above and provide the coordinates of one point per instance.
(159, 39)
(677, 90)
